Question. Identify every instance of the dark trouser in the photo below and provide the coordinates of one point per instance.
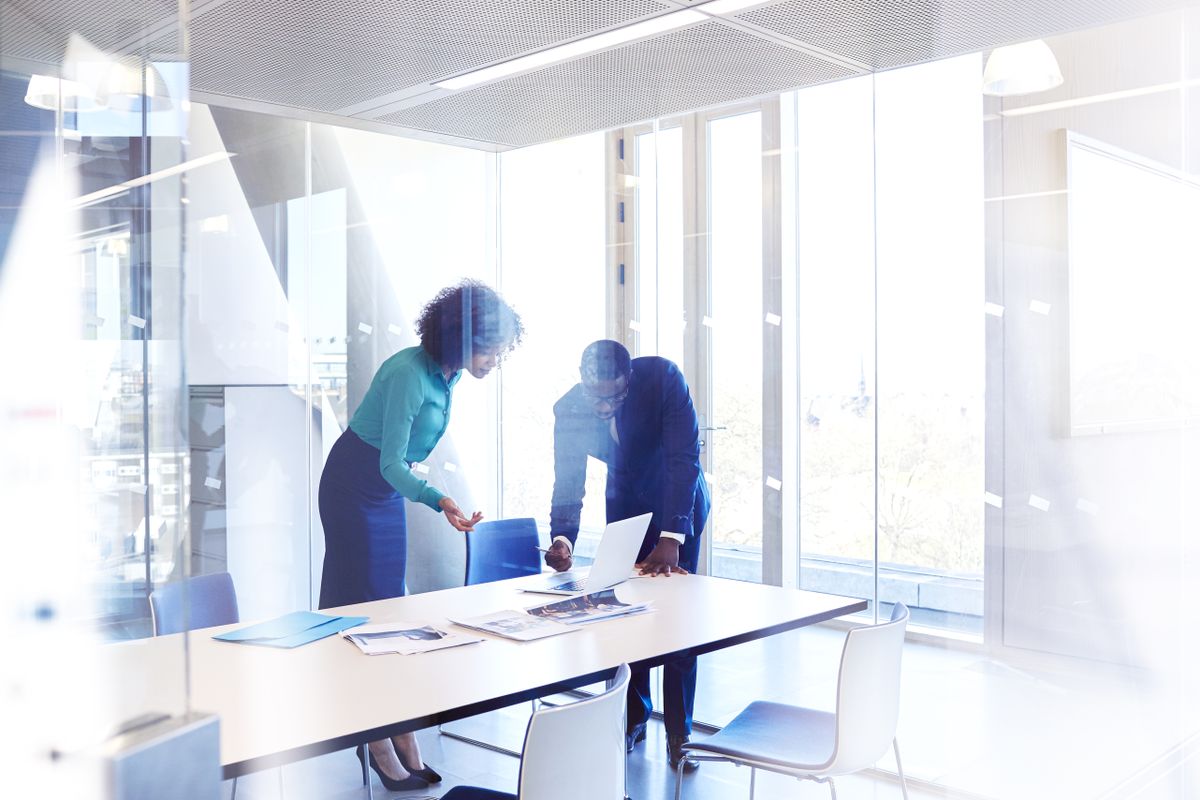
(679, 696)
(679, 672)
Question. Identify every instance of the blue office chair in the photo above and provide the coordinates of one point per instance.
(496, 550)
(211, 600)
(199, 602)
(502, 548)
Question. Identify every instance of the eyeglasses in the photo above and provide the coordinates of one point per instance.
(612, 399)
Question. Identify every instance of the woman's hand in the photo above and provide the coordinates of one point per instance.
(454, 515)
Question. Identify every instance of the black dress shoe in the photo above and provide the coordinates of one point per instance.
(675, 754)
(425, 773)
(389, 783)
(634, 735)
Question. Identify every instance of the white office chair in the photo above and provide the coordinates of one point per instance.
(575, 750)
(817, 745)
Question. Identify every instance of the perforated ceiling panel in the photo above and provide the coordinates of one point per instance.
(39, 30)
(361, 60)
(328, 56)
(699, 66)
(890, 33)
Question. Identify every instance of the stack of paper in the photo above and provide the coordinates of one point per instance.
(291, 630)
(405, 638)
(554, 618)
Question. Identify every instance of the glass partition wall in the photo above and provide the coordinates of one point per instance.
(938, 342)
(955, 324)
(94, 487)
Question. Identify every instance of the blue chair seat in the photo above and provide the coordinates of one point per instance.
(476, 793)
(817, 745)
(773, 733)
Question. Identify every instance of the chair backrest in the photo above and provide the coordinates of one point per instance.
(502, 548)
(199, 602)
(868, 698)
(577, 750)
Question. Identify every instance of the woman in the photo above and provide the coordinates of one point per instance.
(369, 471)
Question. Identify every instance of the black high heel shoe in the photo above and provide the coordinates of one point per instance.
(425, 773)
(391, 784)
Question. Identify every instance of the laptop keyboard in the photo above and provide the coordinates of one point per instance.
(570, 586)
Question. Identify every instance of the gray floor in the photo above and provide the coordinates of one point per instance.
(336, 776)
(971, 726)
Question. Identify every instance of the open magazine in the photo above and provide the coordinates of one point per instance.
(405, 638)
(515, 625)
(551, 619)
(587, 608)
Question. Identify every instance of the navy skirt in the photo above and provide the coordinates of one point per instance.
(366, 537)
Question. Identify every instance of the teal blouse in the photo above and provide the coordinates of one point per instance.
(404, 414)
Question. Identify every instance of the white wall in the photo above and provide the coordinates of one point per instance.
(268, 431)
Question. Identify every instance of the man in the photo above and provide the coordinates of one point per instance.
(637, 417)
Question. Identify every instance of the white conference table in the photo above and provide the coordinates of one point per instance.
(280, 706)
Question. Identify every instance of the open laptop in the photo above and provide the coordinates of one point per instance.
(614, 561)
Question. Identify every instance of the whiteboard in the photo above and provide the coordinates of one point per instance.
(1133, 241)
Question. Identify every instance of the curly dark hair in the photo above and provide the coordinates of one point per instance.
(466, 317)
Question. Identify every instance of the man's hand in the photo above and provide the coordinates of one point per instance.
(457, 519)
(559, 556)
(663, 559)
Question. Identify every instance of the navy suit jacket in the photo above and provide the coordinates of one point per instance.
(655, 468)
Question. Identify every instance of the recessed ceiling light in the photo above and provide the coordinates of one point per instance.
(727, 6)
(592, 44)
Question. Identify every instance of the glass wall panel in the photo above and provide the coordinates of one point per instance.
(833, 229)
(247, 368)
(735, 268)
(316, 248)
(417, 217)
(995, 410)
(552, 243)
(929, 251)
(659, 235)
(1090, 441)
(94, 487)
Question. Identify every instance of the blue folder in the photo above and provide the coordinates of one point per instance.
(291, 630)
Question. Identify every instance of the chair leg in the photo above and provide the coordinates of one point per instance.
(679, 780)
(900, 768)
(233, 790)
(495, 748)
(832, 789)
(753, 773)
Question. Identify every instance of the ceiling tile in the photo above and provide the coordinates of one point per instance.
(703, 65)
(883, 34)
(327, 56)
